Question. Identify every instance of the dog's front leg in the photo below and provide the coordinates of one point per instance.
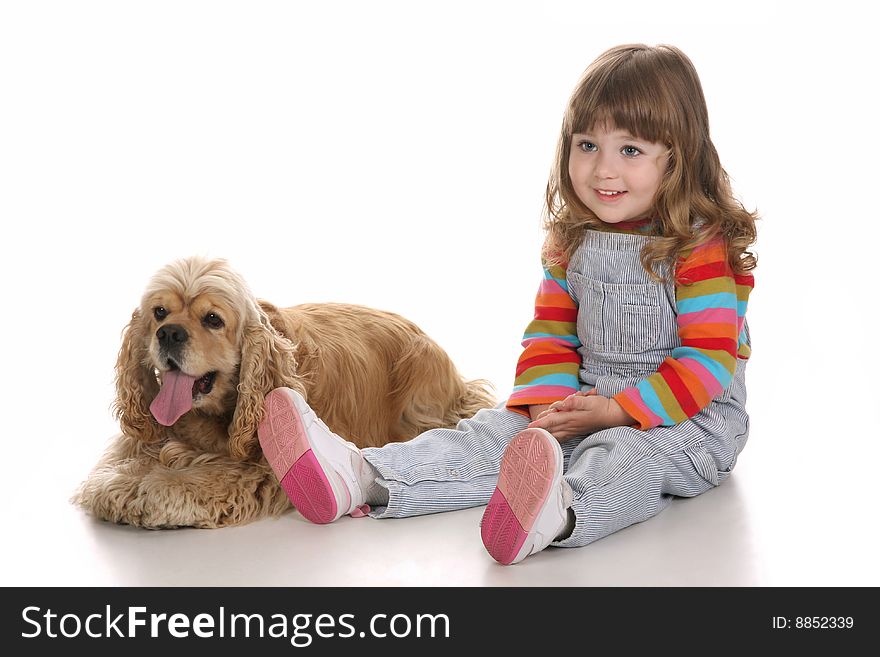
(113, 490)
(210, 494)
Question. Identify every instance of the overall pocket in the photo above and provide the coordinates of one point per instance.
(621, 318)
(703, 463)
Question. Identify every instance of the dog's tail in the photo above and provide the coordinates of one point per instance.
(478, 394)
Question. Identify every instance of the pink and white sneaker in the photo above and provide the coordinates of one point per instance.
(316, 468)
(528, 509)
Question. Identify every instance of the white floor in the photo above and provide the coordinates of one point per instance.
(748, 532)
(705, 541)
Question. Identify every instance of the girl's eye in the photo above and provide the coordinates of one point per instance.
(587, 146)
(213, 320)
(630, 151)
(160, 313)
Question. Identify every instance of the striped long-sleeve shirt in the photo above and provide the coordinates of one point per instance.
(711, 303)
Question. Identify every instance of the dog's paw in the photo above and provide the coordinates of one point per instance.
(205, 495)
(113, 496)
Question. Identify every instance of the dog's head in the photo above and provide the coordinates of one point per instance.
(199, 343)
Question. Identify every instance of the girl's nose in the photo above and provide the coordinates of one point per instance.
(605, 165)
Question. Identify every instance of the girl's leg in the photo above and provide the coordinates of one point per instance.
(622, 476)
(444, 469)
(326, 477)
(619, 478)
(613, 478)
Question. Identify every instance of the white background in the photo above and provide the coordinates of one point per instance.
(395, 154)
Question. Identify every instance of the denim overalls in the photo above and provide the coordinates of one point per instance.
(627, 326)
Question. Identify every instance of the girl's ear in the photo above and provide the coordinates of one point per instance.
(136, 384)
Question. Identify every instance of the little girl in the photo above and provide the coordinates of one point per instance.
(630, 390)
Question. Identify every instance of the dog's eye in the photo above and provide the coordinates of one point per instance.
(213, 320)
(160, 313)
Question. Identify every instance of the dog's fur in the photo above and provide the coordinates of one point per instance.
(372, 376)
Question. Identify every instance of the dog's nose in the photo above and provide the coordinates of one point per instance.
(172, 335)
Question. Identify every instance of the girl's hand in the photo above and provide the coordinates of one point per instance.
(580, 414)
(555, 406)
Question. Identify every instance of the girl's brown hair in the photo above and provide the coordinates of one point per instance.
(656, 95)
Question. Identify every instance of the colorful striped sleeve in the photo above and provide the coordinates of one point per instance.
(547, 370)
(711, 302)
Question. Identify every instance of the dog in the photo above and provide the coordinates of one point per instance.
(197, 359)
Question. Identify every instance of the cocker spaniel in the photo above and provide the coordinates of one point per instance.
(197, 359)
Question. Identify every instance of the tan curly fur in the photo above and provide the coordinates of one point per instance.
(372, 376)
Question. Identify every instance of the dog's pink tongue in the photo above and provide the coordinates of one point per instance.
(174, 398)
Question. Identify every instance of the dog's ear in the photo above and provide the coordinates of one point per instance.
(268, 361)
(136, 384)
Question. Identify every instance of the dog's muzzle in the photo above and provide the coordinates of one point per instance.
(172, 338)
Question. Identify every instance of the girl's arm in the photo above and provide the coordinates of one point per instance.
(547, 370)
(711, 303)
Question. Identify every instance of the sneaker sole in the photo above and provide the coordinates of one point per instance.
(286, 446)
(528, 469)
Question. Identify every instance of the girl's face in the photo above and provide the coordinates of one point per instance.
(616, 175)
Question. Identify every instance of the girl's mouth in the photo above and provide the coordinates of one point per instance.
(609, 196)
